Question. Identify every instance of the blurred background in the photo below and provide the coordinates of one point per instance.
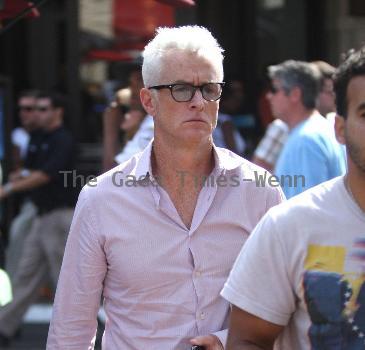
(86, 49)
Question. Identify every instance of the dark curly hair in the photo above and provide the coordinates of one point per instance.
(352, 66)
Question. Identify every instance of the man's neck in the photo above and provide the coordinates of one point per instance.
(55, 125)
(355, 181)
(180, 165)
(299, 115)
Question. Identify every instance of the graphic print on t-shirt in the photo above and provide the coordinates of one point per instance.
(335, 296)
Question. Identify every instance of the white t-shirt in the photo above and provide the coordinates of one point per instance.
(20, 138)
(218, 136)
(303, 267)
(139, 142)
(5, 290)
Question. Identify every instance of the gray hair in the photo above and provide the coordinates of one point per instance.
(191, 39)
(299, 74)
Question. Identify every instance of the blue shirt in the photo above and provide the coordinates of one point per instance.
(310, 156)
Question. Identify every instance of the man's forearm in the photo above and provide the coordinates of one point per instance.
(35, 179)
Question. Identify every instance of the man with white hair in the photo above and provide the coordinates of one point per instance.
(157, 235)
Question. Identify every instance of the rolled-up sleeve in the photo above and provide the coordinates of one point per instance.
(222, 336)
(74, 323)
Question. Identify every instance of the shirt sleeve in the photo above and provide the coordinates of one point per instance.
(259, 282)
(222, 336)
(77, 301)
(276, 197)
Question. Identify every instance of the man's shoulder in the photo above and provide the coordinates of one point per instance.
(56, 139)
(112, 180)
(251, 171)
(258, 180)
(62, 133)
(316, 128)
(312, 134)
(308, 203)
(232, 162)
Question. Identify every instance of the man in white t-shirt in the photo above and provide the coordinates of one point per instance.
(299, 281)
(139, 141)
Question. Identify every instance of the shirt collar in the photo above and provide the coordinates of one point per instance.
(143, 168)
(225, 160)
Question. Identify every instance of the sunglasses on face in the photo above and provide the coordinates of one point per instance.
(42, 108)
(26, 108)
(274, 89)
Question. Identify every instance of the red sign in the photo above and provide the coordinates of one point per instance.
(12, 8)
(135, 21)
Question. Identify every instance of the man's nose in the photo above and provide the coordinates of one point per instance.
(198, 100)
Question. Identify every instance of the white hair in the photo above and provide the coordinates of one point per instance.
(191, 39)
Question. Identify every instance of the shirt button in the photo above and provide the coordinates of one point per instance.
(198, 273)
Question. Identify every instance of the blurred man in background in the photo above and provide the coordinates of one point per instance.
(311, 154)
(42, 253)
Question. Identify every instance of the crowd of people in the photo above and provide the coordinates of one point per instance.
(179, 238)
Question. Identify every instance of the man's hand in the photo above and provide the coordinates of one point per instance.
(6, 190)
(210, 342)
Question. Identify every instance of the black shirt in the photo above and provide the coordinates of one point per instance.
(36, 136)
(53, 153)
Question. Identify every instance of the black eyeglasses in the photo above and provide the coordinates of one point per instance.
(182, 92)
(26, 108)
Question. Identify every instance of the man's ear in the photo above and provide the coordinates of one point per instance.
(295, 94)
(59, 111)
(340, 129)
(147, 101)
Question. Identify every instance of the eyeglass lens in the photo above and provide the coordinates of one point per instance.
(185, 92)
(26, 108)
(42, 109)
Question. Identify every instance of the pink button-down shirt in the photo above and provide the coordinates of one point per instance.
(160, 281)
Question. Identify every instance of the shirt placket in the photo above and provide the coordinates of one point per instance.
(199, 267)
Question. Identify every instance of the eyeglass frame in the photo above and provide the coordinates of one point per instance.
(195, 87)
(26, 108)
